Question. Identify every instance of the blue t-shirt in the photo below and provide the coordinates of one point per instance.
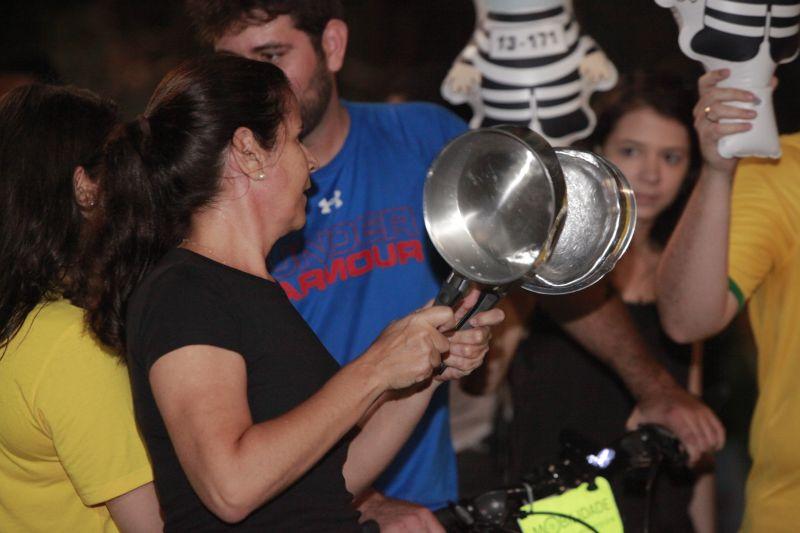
(364, 259)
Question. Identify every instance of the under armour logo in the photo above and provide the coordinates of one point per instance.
(335, 201)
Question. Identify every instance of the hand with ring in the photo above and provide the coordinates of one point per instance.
(716, 116)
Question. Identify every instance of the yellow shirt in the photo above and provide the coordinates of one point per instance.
(764, 263)
(68, 441)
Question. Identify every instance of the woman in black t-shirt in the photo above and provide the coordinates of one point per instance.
(247, 417)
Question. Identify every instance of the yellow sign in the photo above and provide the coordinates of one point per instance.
(595, 506)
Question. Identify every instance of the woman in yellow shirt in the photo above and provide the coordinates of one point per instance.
(71, 458)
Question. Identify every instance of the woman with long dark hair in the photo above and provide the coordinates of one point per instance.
(248, 419)
(645, 128)
(71, 458)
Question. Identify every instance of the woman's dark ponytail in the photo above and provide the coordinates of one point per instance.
(166, 165)
(137, 227)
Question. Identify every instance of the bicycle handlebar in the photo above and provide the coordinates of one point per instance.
(637, 455)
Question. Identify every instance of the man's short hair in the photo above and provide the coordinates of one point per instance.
(215, 18)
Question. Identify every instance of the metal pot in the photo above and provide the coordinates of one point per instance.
(597, 229)
(493, 202)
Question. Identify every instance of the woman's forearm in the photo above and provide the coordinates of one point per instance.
(383, 434)
(693, 272)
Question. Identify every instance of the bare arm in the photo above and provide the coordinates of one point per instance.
(137, 511)
(383, 434)
(693, 296)
(601, 324)
(694, 301)
(387, 427)
(235, 465)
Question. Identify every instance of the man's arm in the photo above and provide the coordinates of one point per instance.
(602, 325)
(693, 296)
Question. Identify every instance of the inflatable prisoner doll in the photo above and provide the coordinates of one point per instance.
(749, 37)
(529, 64)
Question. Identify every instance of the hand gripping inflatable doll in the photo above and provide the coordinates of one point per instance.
(749, 37)
(528, 64)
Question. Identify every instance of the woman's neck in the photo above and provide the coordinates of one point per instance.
(642, 236)
(635, 274)
(234, 244)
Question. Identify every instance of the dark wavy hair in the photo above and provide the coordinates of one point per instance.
(166, 165)
(46, 132)
(214, 18)
(668, 95)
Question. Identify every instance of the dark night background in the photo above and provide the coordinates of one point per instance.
(122, 48)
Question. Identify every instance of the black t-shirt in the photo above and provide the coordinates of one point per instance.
(188, 300)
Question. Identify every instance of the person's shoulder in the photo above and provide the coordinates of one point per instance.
(176, 272)
(770, 187)
(179, 283)
(424, 112)
(790, 145)
(67, 346)
(51, 328)
(59, 313)
(415, 125)
(780, 168)
(410, 115)
(59, 323)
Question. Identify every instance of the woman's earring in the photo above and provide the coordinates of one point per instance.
(84, 198)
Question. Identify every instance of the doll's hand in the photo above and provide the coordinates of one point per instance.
(596, 68)
(461, 83)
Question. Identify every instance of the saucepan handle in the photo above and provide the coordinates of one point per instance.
(487, 300)
(453, 289)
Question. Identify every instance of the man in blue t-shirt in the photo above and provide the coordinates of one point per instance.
(363, 258)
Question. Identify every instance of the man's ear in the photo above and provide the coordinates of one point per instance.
(334, 44)
(247, 154)
(84, 188)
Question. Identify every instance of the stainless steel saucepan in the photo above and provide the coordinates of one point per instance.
(493, 201)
